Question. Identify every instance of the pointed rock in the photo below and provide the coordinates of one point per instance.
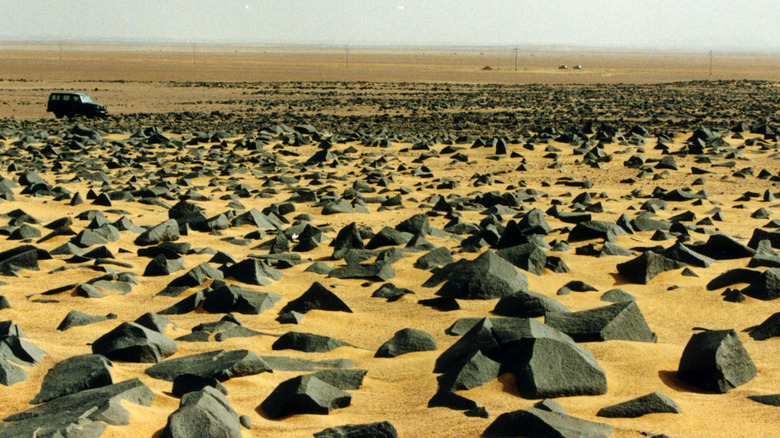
(317, 297)
(715, 361)
(130, 342)
(74, 374)
(541, 423)
(646, 267)
(621, 321)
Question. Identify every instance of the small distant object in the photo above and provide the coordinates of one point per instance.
(487, 68)
(74, 104)
(562, 67)
(577, 67)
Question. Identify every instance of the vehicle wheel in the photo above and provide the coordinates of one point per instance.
(59, 115)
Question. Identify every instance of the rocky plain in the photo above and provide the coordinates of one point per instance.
(361, 258)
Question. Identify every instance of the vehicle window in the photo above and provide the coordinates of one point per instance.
(55, 97)
(86, 99)
(66, 97)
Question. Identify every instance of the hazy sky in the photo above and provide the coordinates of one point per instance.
(702, 24)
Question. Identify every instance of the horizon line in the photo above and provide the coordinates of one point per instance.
(388, 45)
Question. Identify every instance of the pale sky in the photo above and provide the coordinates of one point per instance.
(672, 24)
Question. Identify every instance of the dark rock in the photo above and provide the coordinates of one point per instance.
(370, 430)
(227, 299)
(407, 341)
(317, 297)
(74, 374)
(221, 365)
(451, 400)
(622, 321)
(435, 258)
(86, 412)
(130, 342)
(390, 292)
(160, 266)
(684, 254)
(164, 232)
(473, 371)
(153, 321)
(389, 237)
(347, 239)
(646, 267)
(617, 296)
(445, 304)
(715, 361)
(75, 318)
(418, 225)
(527, 304)
(252, 271)
(722, 247)
(304, 395)
(186, 383)
(549, 367)
(771, 400)
(189, 304)
(307, 342)
(342, 379)
(373, 272)
(588, 230)
(194, 277)
(768, 329)
(527, 256)
(203, 413)
(647, 404)
(486, 277)
(534, 422)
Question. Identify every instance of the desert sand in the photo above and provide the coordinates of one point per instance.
(146, 87)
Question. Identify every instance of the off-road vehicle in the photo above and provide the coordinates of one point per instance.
(74, 104)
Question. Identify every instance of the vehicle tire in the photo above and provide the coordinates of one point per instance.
(59, 115)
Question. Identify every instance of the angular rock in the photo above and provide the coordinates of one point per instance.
(435, 258)
(304, 395)
(130, 342)
(407, 341)
(621, 321)
(646, 267)
(252, 271)
(164, 232)
(317, 297)
(74, 374)
(486, 277)
(86, 412)
(221, 365)
(307, 342)
(715, 361)
(770, 328)
(527, 304)
(652, 403)
(227, 299)
(373, 272)
(203, 413)
(75, 318)
(723, 247)
(527, 256)
(534, 422)
(475, 370)
(383, 429)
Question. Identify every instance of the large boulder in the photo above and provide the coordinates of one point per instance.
(304, 395)
(646, 267)
(131, 342)
(75, 374)
(205, 413)
(164, 232)
(486, 277)
(535, 422)
(84, 414)
(317, 297)
(623, 321)
(715, 361)
(221, 365)
(527, 304)
(407, 341)
(370, 430)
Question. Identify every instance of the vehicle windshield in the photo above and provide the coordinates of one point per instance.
(86, 99)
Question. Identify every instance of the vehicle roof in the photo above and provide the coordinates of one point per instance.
(70, 93)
